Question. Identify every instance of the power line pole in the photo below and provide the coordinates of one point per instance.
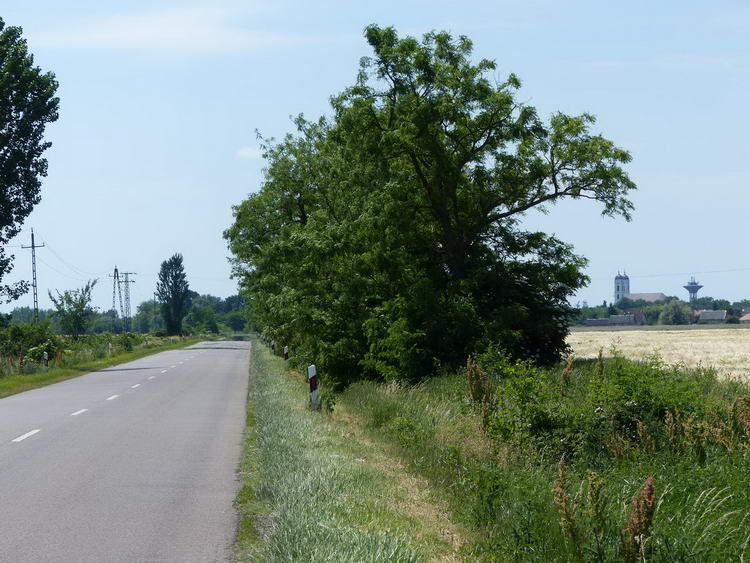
(33, 248)
(116, 290)
(126, 313)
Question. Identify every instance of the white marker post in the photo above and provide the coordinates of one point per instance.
(312, 377)
(286, 352)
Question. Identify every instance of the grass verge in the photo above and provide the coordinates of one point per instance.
(315, 489)
(616, 423)
(12, 384)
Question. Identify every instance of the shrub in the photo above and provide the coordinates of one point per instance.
(36, 353)
(127, 340)
(598, 408)
(18, 338)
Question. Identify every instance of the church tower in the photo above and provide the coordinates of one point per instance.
(622, 286)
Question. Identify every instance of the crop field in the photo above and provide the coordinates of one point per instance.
(727, 349)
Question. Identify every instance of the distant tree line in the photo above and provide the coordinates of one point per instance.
(670, 311)
(206, 314)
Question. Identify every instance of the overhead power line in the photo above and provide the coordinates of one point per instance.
(675, 274)
(51, 267)
(73, 268)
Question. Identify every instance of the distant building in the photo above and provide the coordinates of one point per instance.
(622, 286)
(707, 317)
(596, 322)
(648, 297)
(614, 320)
(745, 319)
(638, 317)
(622, 319)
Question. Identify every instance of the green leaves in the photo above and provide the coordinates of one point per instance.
(174, 293)
(385, 241)
(73, 309)
(27, 105)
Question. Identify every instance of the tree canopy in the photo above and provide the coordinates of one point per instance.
(387, 240)
(173, 292)
(27, 105)
(73, 309)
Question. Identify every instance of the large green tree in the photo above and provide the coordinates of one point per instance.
(388, 239)
(27, 105)
(173, 292)
(73, 309)
(676, 313)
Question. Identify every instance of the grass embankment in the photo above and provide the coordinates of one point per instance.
(317, 489)
(492, 444)
(12, 384)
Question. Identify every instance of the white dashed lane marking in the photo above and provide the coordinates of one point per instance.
(78, 412)
(24, 436)
(135, 386)
(112, 397)
(153, 376)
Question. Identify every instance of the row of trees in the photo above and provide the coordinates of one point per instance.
(671, 311)
(387, 239)
(179, 310)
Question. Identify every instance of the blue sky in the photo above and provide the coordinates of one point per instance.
(160, 101)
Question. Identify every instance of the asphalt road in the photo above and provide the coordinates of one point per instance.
(133, 463)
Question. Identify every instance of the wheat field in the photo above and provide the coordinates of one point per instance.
(726, 349)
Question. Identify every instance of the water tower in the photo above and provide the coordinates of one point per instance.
(693, 287)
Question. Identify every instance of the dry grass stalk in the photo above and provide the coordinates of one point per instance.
(567, 372)
(618, 444)
(672, 422)
(695, 436)
(568, 520)
(480, 390)
(717, 431)
(741, 413)
(600, 363)
(648, 444)
(636, 533)
(597, 506)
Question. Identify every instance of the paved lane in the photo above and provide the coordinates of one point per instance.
(132, 463)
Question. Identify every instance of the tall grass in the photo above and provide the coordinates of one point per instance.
(311, 493)
(655, 457)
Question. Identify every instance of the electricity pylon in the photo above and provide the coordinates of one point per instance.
(33, 248)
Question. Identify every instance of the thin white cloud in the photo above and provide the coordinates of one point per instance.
(253, 153)
(681, 61)
(189, 29)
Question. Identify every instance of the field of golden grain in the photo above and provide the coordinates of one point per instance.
(727, 350)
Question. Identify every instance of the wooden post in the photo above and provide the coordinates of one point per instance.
(312, 377)
(286, 352)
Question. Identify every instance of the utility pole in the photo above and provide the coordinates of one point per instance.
(126, 313)
(33, 248)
